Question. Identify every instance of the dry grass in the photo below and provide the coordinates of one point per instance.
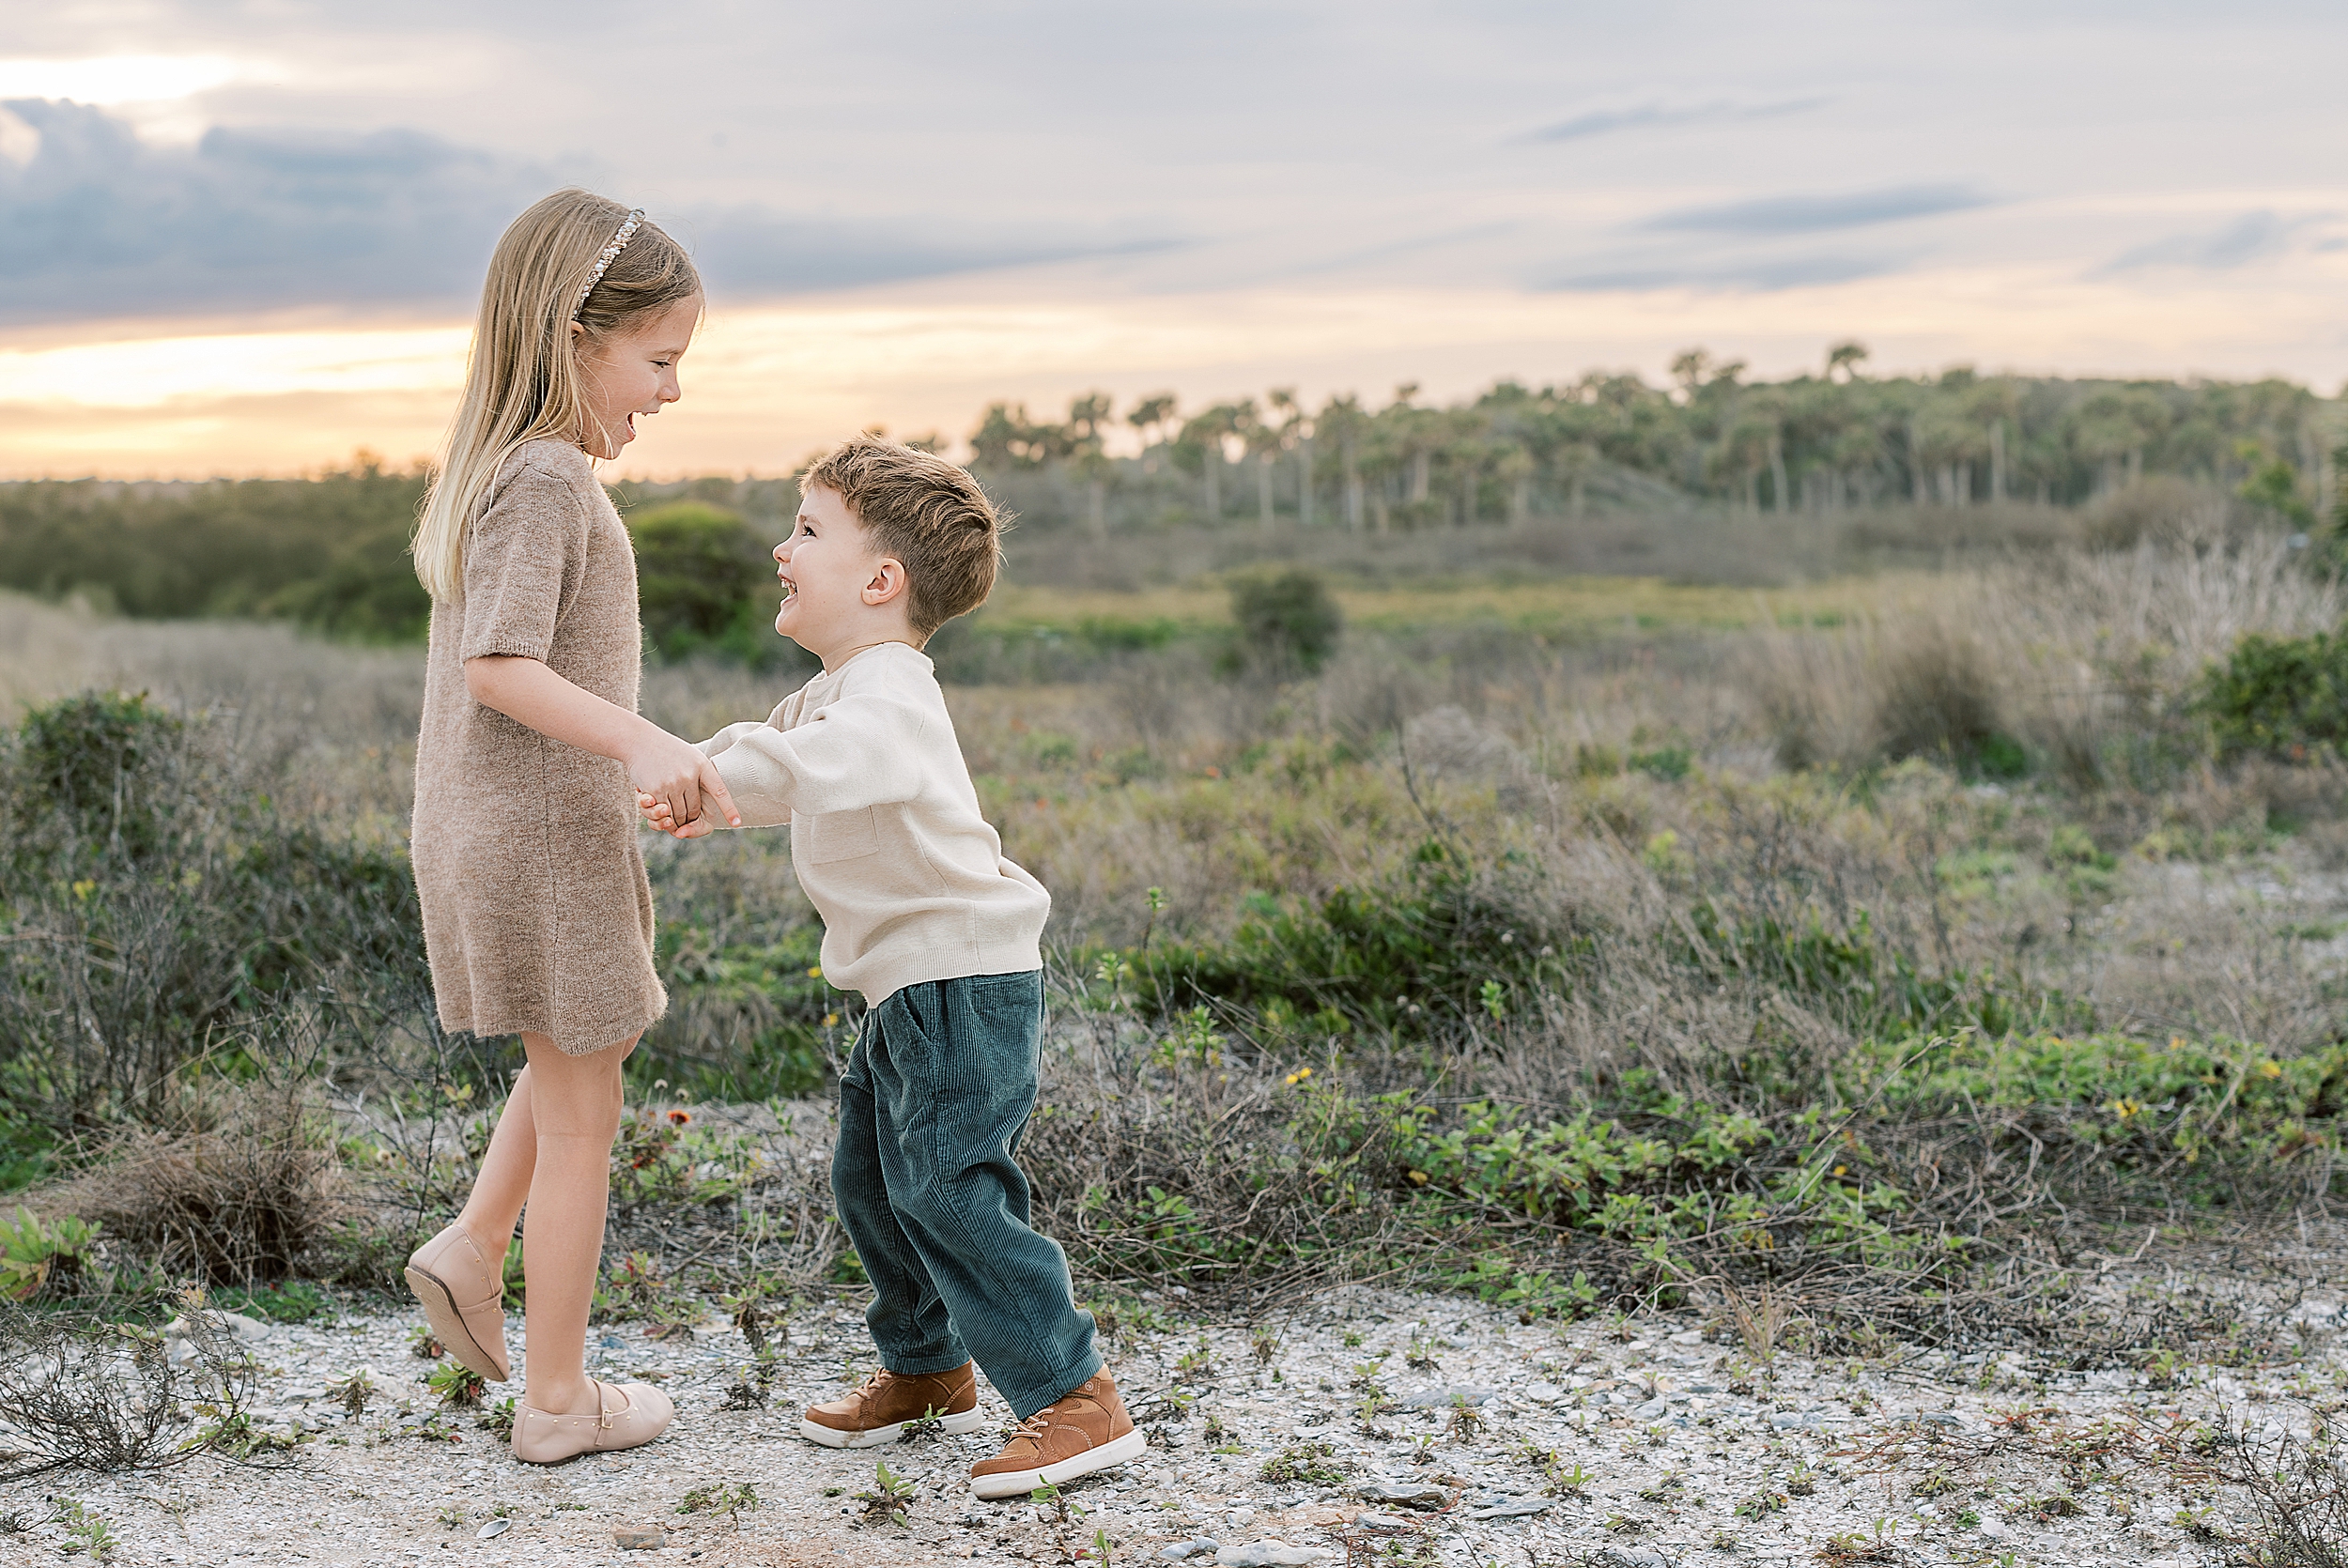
(328, 728)
(241, 1192)
(2166, 908)
(1159, 774)
(2081, 658)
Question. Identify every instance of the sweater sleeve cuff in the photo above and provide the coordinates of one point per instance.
(757, 780)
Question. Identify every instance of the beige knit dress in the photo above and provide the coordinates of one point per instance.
(537, 913)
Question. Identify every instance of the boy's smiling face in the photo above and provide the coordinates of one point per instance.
(839, 594)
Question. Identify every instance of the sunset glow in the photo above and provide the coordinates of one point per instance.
(246, 245)
(766, 383)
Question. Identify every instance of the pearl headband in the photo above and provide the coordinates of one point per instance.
(606, 255)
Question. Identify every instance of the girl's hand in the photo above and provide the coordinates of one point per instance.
(656, 815)
(680, 780)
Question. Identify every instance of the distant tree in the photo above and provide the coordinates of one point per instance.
(1341, 419)
(2274, 484)
(1085, 447)
(1297, 434)
(1266, 442)
(1686, 368)
(2111, 429)
(1460, 437)
(1201, 446)
(1411, 437)
(1515, 469)
(1008, 439)
(1150, 419)
(1844, 360)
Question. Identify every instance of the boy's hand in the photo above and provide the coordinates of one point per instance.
(657, 814)
(677, 775)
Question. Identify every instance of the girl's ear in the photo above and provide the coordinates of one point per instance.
(887, 582)
(578, 331)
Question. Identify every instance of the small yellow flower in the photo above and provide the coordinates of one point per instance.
(1842, 1170)
(831, 1020)
(83, 888)
(2270, 1070)
(1297, 1077)
(1418, 1179)
(816, 973)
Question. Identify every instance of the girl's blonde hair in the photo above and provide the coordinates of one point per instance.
(522, 379)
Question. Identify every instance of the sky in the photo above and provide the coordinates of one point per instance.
(247, 237)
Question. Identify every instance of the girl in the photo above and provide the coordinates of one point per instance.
(537, 918)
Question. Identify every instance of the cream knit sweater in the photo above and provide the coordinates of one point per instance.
(886, 833)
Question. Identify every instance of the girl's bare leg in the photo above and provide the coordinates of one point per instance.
(575, 1113)
(503, 1180)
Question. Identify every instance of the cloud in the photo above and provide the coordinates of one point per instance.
(1819, 214)
(1657, 116)
(101, 224)
(756, 252)
(2252, 236)
(1760, 275)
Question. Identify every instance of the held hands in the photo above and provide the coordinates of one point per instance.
(657, 814)
(678, 788)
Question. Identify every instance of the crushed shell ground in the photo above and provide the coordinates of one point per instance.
(1689, 1453)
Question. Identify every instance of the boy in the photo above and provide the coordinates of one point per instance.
(922, 914)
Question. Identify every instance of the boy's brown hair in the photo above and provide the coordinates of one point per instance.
(926, 512)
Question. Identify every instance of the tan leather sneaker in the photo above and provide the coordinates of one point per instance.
(463, 1294)
(1085, 1430)
(880, 1412)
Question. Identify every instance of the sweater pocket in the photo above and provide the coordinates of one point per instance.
(837, 835)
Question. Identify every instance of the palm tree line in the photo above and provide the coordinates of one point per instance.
(1830, 441)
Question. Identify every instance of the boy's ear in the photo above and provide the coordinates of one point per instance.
(887, 582)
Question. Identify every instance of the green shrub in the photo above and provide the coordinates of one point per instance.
(1305, 1464)
(2279, 695)
(1288, 623)
(2204, 1113)
(1668, 764)
(1852, 974)
(98, 763)
(748, 1009)
(153, 912)
(1631, 1186)
(1415, 954)
(705, 581)
(156, 912)
(292, 1301)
